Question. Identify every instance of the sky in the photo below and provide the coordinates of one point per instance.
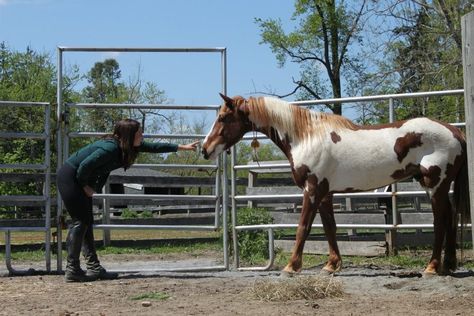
(43, 25)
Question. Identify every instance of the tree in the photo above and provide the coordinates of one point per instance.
(320, 45)
(423, 53)
(27, 76)
(104, 87)
(31, 77)
(148, 93)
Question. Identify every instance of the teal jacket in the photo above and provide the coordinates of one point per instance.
(94, 162)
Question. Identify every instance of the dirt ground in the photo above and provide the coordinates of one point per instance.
(367, 290)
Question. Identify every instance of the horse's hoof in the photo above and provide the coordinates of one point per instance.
(287, 274)
(428, 274)
(326, 272)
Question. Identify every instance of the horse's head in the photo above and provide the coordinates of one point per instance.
(230, 126)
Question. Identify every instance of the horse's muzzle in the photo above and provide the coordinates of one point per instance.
(204, 153)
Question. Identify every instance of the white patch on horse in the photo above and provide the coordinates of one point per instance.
(365, 159)
(217, 150)
(210, 131)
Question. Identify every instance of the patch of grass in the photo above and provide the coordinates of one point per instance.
(156, 296)
(190, 248)
(162, 249)
(27, 255)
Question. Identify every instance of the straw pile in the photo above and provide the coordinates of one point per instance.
(297, 288)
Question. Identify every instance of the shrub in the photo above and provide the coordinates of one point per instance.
(253, 244)
(127, 213)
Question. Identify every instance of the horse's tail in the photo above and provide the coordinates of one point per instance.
(461, 200)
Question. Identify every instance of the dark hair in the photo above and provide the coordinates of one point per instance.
(124, 133)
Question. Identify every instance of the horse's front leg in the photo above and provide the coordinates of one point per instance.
(308, 212)
(326, 210)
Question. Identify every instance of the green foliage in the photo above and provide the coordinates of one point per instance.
(127, 214)
(157, 296)
(104, 87)
(320, 44)
(424, 54)
(253, 245)
(146, 214)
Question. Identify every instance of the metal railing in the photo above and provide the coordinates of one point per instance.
(45, 198)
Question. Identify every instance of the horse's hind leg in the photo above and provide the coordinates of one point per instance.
(450, 225)
(443, 227)
(326, 210)
(308, 212)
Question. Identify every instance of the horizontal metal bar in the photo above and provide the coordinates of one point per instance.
(161, 227)
(264, 166)
(141, 106)
(262, 197)
(21, 104)
(251, 136)
(191, 269)
(143, 49)
(24, 229)
(283, 226)
(382, 97)
(23, 198)
(342, 226)
(165, 136)
(24, 166)
(173, 166)
(156, 196)
(23, 135)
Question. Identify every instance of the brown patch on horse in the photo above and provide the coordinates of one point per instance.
(409, 170)
(300, 175)
(431, 176)
(404, 144)
(335, 137)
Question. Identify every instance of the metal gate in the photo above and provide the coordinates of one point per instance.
(219, 198)
(44, 200)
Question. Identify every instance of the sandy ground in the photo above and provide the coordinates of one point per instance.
(367, 290)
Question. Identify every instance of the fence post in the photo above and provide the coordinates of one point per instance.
(467, 25)
(391, 235)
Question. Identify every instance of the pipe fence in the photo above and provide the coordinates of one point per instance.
(44, 200)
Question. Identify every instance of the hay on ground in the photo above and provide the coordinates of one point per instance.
(296, 288)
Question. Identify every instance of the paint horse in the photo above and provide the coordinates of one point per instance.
(330, 154)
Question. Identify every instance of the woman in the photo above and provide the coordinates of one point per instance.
(85, 173)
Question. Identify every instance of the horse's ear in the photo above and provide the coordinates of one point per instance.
(228, 101)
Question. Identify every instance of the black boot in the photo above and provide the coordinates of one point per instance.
(94, 269)
(74, 273)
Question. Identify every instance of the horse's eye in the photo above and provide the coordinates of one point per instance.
(223, 118)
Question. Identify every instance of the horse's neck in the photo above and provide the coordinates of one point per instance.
(280, 139)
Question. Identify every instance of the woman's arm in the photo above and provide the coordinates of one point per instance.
(165, 147)
(191, 146)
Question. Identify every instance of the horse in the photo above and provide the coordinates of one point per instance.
(330, 154)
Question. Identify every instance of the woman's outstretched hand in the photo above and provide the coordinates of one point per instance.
(191, 146)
